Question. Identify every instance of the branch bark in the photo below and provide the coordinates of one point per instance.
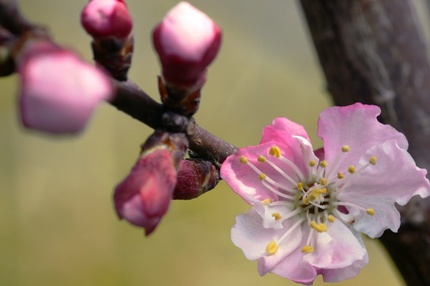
(136, 103)
(374, 52)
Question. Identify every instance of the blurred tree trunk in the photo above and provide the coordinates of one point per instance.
(373, 51)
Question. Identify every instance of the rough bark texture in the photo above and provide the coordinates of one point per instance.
(372, 51)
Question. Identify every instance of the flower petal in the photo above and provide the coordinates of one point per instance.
(394, 178)
(343, 247)
(356, 126)
(282, 131)
(245, 181)
(349, 254)
(249, 235)
(294, 267)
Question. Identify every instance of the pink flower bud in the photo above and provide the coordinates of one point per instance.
(144, 196)
(107, 18)
(186, 41)
(58, 90)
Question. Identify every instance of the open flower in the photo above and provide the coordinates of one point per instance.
(308, 208)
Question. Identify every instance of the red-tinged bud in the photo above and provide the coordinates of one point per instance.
(144, 196)
(195, 178)
(186, 41)
(58, 91)
(107, 18)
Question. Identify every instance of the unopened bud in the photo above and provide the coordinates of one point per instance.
(110, 24)
(107, 18)
(195, 178)
(186, 41)
(58, 91)
(144, 196)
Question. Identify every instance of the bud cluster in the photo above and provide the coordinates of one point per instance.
(186, 41)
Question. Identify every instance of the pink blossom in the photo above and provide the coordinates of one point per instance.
(58, 90)
(187, 41)
(307, 210)
(107, 18)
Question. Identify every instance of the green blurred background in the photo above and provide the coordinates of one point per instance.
(57, 223)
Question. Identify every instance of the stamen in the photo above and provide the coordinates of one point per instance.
(300, 185)
(272, 247)
(261, 159)
(306, 201)
(340, 175)
(307, 249)
(273, 190)
(291, 229)
(312, 163)
(334, 166)
(373, 160)
(323, 181)
(243, 160)
(280, 171)
(351, 169)
(323, 163)
(369, 211)
(262, 177)
(320, 227)
(330, 218)
(266, 202)
(275, 151)
(277, 216)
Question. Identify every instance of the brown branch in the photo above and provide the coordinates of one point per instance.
(373, 52)
(204, 145)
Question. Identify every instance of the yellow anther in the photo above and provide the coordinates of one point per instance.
(243, 160)
(323, 181)
(323, 163)
(340, 175)
(266, 202)
(370, 211)
(373, 160)
(307, 249)
(312, 163)
(318, 227)
(275, 151)
(345, 148)
(306, 201)
(315, 193)
(300, 185)
(277, 216)
(351, 169)
(261, 159)
(330, 218)
(272, 247)
(262, 176)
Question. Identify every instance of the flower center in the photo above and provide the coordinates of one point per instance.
(310, 196)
